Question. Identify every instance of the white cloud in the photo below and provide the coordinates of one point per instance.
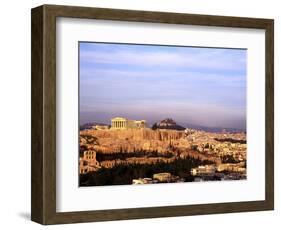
(108, 75)
(214, 59)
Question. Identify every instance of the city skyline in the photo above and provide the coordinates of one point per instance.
(192, 85)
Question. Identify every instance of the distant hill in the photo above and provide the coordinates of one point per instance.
(90, 125)
(168, 123)
(213, 129)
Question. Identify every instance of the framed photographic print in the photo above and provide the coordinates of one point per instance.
(140, 114)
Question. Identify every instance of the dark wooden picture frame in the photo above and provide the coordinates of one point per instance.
(43, 170)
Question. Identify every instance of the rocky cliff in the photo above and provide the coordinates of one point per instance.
(131, 140)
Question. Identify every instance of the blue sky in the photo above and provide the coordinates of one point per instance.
(201, 86)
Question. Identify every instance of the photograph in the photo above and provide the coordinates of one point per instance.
(157, 114)
(152, 114)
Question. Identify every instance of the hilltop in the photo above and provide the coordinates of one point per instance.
(168, 123)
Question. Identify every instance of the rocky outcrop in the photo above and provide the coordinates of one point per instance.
(136, 134)
(132, 140)
(168, 123)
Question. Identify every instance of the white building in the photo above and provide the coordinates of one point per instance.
(203, 170)
(123, 123)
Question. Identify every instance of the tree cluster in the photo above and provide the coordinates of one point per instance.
(122, 155)
(122, 174)
(231, 140)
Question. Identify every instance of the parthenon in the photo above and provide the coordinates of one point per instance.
(123, 123)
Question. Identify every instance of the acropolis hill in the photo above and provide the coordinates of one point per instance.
(129, 140)
(165, 144)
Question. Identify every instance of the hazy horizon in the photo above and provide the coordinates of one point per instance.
(191, 85)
